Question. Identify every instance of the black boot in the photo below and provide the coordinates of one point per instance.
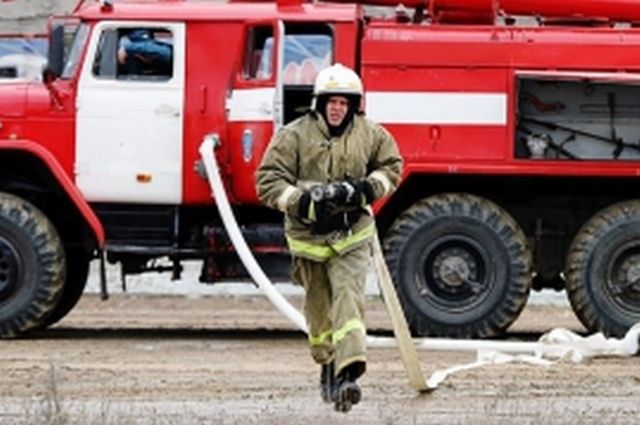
(327, 381)
(347, 392)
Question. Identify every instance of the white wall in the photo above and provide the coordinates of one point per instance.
(30, 16)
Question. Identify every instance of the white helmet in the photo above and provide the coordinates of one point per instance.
(337, 79)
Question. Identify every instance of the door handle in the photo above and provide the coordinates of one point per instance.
(167, 110)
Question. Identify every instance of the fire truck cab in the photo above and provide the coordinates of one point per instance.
(518, 122)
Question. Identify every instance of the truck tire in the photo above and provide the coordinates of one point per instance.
(461, 265)
(603, 270)
(32, 266)
(77, 274)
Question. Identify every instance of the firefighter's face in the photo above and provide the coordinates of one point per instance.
(337, 107)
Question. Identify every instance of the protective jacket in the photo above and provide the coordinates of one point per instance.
(303, 154)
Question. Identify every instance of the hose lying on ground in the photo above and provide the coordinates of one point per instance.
(557, 344)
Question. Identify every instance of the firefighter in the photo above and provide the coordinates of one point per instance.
(323, 171)
(141, 54)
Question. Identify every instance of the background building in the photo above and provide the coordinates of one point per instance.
(22, 44)
(30, 16)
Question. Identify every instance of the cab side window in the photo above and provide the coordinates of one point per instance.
(259, 54)
(135, 54)
(305, 54)
(308, 48)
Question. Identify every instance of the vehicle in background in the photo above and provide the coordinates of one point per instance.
(22, 57)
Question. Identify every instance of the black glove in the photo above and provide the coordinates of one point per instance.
(347, 193)
(311, 211)
(325, 215)
(363, 192)
(303, 205)
(354, 193)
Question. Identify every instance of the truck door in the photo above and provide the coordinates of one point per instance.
(253, 104)
(130, 122)
(275, 86)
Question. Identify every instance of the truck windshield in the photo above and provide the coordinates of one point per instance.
(73, 49)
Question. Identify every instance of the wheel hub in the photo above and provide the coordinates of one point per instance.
(9, 266)
(628, 276)
(454, 269)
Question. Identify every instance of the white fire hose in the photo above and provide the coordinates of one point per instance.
(555, 345)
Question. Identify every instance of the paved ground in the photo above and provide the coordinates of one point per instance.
(157, 359)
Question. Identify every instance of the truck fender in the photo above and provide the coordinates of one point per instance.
(63, 180)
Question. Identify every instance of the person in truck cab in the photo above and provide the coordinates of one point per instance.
(141, 54)
(323, 171)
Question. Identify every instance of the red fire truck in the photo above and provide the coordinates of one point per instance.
(519, 123)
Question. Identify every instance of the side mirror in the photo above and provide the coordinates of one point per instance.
(55, 58)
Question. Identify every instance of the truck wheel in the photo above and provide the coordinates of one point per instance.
(603, 270)
(32, 266)
(461, 265)
(77, 273)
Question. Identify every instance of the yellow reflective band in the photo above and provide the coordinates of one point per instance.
(351, 325)
(317, 251)
(323, 251)
(320, 339)
(361, 235)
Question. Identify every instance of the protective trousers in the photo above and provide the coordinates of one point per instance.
(334, 305)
